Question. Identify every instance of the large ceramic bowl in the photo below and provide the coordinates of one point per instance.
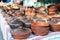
(14, 23)
(20, 33)
(40, 28)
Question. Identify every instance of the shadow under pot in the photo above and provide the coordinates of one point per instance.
(40, 28)
(55, 26)
(20, 33)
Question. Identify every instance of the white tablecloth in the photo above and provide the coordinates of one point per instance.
(4, 27)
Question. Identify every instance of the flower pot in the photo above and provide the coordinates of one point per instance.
(20, 33)
(40, 28)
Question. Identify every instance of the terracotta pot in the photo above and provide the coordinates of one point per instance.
(14, 23)
(52, 9)
(55, 24)
(21, 33)
(58, 7)
(55, 27)
(40, 28)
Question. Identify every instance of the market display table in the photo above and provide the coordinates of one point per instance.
(7, 35)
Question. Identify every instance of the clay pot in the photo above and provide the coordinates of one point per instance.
(14, 23)
(52, 9)
(58, 7)
(40, 28)
(55, 24)
(20, 33)
(55, 27)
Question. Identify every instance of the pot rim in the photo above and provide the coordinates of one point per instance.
(55, 24)
(40, 24)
